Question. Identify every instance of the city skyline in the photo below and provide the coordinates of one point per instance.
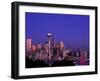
(48, 55)
(73, 30)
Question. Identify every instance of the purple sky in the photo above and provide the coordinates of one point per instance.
(72, 29)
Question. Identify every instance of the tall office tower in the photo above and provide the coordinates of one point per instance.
(33, 48)
(61, 45)
(29, 45)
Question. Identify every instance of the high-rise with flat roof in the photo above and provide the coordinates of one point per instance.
(29, 45)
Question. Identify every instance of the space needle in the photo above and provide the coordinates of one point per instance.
(49, 35)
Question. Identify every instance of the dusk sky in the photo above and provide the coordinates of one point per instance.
(73, 30)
